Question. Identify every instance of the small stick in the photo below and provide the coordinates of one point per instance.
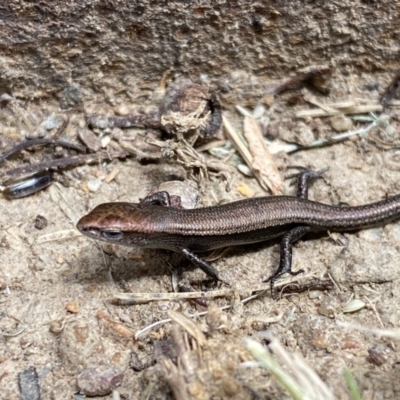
(62, 128)
(40, 142)
(140, 298)
(315, 284)
(149, 121)
(361, 109)
(64, 162)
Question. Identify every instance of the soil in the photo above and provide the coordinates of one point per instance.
(55, 313)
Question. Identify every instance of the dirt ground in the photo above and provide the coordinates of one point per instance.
(55, 313)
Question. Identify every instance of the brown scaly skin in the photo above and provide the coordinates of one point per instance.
(154, 223)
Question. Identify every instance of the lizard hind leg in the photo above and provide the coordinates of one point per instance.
(304, 177)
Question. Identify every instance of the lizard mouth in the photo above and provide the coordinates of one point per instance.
(89, 231)
(99, 234)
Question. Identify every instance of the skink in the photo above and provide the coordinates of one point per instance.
(159, 222)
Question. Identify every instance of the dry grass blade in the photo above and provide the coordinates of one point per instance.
(183, 352)
(237, 141)
(262, 163)
(175, 379)
(388, 333)
(259, 168)
(262, 291)
(304, 374)
(189, 326)
(64, 163)
(140, 298)
(314, 101)
(347, 107)
(59, 235)
(290, 370)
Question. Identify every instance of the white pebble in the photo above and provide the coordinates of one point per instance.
(105, 141)
(94, 184)
(122, 110)
(50, 123)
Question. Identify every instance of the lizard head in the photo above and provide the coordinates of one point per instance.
(121, 223)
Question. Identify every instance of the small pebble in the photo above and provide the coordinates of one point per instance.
(56, 327)
(99, 381)
(94, 185)
(72, 307)
(245, 170)
(271, 131)
(258, 111)
(329, 307)
(314, 294)
(392, 131)
(196, 390)
(136, 363)
(349, 343)
(244, 190)
(28, 382)
(91, 141)
(50, 123)
(378, 354)
(122, 110)
(105, 141)
(100, 174)
(371, 86)
(80, 344)
(268, 100)
(3, 284)
(231, 386)
(188, 194)
(70, 96)
(341, 123)
(5, 98)
(40, 222)
(303, 134)
(118, 133)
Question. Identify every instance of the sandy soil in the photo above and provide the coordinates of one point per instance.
(54, 310)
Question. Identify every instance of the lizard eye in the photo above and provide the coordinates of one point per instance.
(112, 235)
